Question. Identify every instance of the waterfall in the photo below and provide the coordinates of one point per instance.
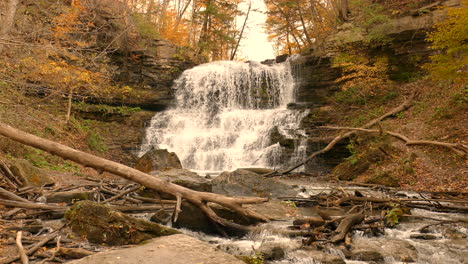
(224, 117)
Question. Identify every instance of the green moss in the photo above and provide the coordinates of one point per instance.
(366, 151)
(257, 259)
(105, 109)
(96, 142)
(100, 224)
(146, 28)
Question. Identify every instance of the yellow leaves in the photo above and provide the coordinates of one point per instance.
(69, 22)
(359, 72)
(451, 37)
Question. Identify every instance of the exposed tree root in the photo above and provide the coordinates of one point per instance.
(405, 105)
(199, 199)
(24, 258)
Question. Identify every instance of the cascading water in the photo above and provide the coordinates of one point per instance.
(224, 116)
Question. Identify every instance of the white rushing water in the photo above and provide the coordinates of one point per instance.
(225, 112)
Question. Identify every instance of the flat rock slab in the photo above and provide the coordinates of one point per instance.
(174, 249)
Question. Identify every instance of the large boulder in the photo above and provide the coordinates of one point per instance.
(191, 217)
(247, 183)
(100, 224)
(158, 159)
(175, 249)
(376, 249)
(30, 175)
(186, 178)
(270, 250)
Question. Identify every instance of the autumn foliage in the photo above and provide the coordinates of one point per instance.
(450, 38)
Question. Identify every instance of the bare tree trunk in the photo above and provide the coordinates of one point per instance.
(7, 16)
(200, 199)
(343, 10)
(233, 54)
(180, 14)
(69, 104)
(291, 26)
(304, 27)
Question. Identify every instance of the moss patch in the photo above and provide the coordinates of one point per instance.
(101, 224)
(384, 178)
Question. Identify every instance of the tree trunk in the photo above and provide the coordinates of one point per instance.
(199, 199)
(180, 14)
(69, 104)
(343, 10)
(233, 54)
(7, 16)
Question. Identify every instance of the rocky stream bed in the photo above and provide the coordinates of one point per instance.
(312, 221)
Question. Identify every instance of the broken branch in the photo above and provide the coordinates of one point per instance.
(460, 149)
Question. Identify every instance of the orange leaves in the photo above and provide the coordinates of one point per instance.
(69, 22)
(177, 33)
(297, 24)
(62, 77)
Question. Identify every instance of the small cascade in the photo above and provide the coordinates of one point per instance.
(225, 115)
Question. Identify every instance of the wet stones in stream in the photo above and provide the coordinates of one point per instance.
(377, 249)
(317, 256)
(269, 250)
(100, 224)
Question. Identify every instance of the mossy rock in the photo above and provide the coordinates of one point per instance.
(29, 174)
(384, 178)
(100, 224)
(357, 164)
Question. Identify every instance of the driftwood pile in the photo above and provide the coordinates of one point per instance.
(369, 214)
(29, 214)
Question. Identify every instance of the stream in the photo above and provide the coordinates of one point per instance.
(442, 244)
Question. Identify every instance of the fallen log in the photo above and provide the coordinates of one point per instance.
(460, 149)
(405, 105)
(11, 196)
(345, 225)
(200, 199)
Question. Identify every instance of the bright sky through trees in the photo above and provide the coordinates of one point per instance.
(256, 46)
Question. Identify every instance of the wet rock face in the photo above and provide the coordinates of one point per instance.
(152, 72)
(246, 183)
(315, 79)
(158, 159)
(100, 224)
